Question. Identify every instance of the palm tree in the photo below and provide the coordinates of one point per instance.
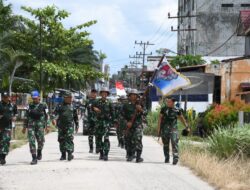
(11, 60)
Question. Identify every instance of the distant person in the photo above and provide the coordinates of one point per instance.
(8, 113)
(104, 113)
(167, 128)
(91, 121)
(66, 115)
(36, 123)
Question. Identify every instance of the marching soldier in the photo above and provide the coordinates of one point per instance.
(104, 113)
(36, 123)
(120, 122)
(91, 120)
(167, 128)
(66, 116)
(133, 113)
(8, 113)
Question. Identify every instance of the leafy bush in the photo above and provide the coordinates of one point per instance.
(230, 142)
(224, 115)
(152, 120)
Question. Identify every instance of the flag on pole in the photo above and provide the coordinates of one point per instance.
(120, 90)
(167, 80)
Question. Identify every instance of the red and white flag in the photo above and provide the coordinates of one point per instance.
(120, 90)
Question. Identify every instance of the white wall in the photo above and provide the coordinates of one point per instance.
(197, 106)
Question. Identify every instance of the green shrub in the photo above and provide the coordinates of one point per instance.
(152, 121)
(230, 142)
(224, 115)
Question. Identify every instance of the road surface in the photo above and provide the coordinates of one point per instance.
(87, 172)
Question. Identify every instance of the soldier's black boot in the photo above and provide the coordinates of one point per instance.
(175, 161)
(97, 150)
(101, 155)
(34, 159)
(63, 157)
(167, 159)
(70, 156)
(138, 157)
(39, 154)
(91, 149)
(105, 157)
(129, 156)
(2, 159)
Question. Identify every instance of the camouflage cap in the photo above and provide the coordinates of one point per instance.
(105, 89)
(133, 91)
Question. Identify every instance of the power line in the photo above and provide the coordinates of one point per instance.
(221, 44)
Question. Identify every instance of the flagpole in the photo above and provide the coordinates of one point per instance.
(159, 64)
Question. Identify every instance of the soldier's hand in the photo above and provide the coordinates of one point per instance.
(13, 119)
(53, 122)
(97, 110)
(129, 124)
(139, 108)
(77, 129)
(47, 129)
(24, 130)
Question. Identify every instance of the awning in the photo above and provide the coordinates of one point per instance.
(245, 85)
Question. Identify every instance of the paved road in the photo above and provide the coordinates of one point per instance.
(87, 172)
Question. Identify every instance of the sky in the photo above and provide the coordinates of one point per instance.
(119, 24)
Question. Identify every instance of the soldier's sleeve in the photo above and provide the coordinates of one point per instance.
(112, 110)
(14, 110)
(76, 118)
(124, 112)
(26, 117)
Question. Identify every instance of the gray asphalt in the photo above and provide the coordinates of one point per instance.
(87, 172)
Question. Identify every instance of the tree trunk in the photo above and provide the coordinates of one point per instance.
(17, 65)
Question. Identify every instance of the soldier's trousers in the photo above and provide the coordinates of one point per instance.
(36, 133)
(5, 137)
(91, 132)
(102, 139)
(134, 141)
(65, 138)
(120, 135)
(173, 137)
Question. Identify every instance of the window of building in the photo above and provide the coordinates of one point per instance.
(184, 5)
(193, 5)
(245, 5)
(227, 5)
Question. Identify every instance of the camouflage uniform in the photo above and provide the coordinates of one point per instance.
(66, 116)
(91, 120)
(169, 131)
(104, 121)
(121, 125)
(135, 133)
(7, 112)
(36, 122)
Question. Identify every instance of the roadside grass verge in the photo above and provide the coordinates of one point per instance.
(226, 174)
(20, 139)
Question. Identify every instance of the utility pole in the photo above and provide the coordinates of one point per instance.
(144, 46)
(41, 57)
(134, 67)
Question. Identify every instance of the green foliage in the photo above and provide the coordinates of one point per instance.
(215, 62)
(230, 142)
(187, 60)
(224, 115)
(152, 120)
(66, 53)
